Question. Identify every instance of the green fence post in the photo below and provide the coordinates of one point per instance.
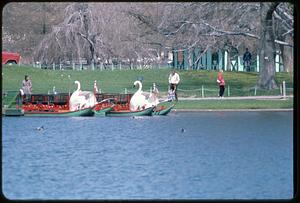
(202, 92)
(53, 66)
(220, 59)
(196, 54)
(208, 59)
(185, 60)
(240, 66)
(225, 60)
(257, 63)
(284, 90)
(203, 60)
(175, 59)
(228, 91)
(193, 59)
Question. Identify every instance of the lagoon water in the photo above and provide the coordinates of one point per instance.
(203, 155)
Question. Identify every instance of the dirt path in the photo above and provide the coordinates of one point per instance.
(235, 98)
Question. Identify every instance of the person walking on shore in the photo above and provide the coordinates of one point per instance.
(247, 60)
(95, 87)
(27, 86)
(221, 82)
(174, 80)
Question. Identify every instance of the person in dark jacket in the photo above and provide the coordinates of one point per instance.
(247, 60)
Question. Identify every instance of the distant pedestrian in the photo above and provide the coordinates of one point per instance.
(174, 80)
(95, 87)
(171, 95)
(247, 60)
(221, 82)
(27, 86)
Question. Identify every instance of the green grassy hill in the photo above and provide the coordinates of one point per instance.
(238, 83)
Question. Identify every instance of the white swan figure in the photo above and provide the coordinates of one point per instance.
(153, 97)
(81, 99)
(139, 100)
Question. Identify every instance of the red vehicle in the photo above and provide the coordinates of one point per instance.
(10, 58)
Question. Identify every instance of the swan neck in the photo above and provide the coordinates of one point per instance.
(140, 86)
(78, 85)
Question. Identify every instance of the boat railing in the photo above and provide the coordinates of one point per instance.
(9, 98)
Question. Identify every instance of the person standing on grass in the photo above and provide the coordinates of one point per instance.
(27, 86)
(95, 87)
(221, 82)
(247, 60)
(174, 80)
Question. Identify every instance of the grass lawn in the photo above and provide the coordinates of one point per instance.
(191, 84)
(236, 104)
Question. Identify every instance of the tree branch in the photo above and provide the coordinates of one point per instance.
(218, 32)
(283, 43)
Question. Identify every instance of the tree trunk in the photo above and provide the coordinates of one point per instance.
(267, 51)
(288, 56)
(228, 60)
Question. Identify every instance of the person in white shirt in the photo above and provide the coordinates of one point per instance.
(95, 87)
(27, 87)
(174, 80)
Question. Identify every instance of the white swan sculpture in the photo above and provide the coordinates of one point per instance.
(81, 99)
(153, 96)
(139, 100)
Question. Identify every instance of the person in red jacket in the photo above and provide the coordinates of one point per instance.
(221, 82)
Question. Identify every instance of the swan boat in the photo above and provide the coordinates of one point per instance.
(138, 104)
(82, 112)
(80, 103)
(119, 105)
(126, 113)
(146, 100)
(107, 104)
(163, 108)
(52, 105)
(12, 112)
(102, 107)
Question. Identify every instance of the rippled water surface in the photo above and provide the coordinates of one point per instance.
(204, 155)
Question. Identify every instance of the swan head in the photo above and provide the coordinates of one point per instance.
(137, 82)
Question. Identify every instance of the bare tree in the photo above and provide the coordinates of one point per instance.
(267, 51)
(24, 25)
(61, 32)
(219, 24)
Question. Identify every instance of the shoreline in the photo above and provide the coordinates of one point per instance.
(273, 97)
(230, 110)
